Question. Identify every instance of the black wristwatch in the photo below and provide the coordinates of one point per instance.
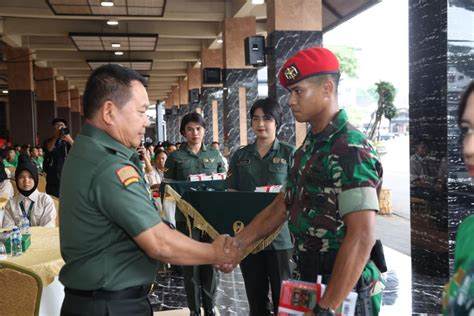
(319, 311)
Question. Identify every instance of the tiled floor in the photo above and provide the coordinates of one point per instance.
(231, 298)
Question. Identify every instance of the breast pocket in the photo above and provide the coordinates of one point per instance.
(210, 165)
(183, 169)
(277, 173)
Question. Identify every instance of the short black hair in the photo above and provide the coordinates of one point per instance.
(463, 102)
(194, 117)
(58, 120)
(271, 108)
(160, 151)
(109, 83)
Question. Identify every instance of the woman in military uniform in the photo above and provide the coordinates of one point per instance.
(193, 157)
(263, 163)
(459, 293)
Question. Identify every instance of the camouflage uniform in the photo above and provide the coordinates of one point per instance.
(334, 173)
(459, 292)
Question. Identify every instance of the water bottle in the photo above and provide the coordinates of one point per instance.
(24, 225)
(16, 242)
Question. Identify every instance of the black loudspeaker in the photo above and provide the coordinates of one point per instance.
(194, 96)
(255, 51)
(211, 76)
(168, 112)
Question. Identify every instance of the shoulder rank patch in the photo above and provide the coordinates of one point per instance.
(127, 175)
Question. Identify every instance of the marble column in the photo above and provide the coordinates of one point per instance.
(292, 25)
(236, 79)
(21, 96)
(240, 84)
(45, 88)
(205, 103)
(441, 54)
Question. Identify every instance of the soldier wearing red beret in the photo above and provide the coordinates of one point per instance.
(331, 196)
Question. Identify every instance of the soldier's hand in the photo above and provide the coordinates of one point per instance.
(228, 253)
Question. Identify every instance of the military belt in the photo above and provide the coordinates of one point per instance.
(128, 293)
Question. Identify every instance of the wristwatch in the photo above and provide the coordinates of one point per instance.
(320, 311)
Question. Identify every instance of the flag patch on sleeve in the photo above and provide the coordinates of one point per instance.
(127, 175)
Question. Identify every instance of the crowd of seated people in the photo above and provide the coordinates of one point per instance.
(20, 172)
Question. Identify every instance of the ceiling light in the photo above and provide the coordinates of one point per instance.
(116, 45)
(258, 1)
(220, 40)
(112, 22)
(5, 91)
(118, 53)
(107, 3)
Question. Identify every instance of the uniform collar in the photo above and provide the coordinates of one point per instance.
(33, 196)
(338, 122)
(254, 150)
(186, 148)
(275, 146)
(106, 140)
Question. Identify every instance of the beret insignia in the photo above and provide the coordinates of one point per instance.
(127, 175)
(291, 72)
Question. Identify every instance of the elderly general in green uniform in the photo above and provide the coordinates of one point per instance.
(265, 162)
(110, 231)
(193, 157)
(459, 292)
(331, 196)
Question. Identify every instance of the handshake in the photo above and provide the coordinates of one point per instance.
(228, 252)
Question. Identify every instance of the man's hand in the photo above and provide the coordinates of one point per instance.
(228, 253)
(68, 139)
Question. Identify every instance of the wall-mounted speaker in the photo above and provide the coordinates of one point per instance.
(255, 51)
(211, 76)
(194, 96)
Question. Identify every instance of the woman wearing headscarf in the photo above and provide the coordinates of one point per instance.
(37, 206)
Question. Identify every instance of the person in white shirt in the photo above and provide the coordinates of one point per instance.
(156, 175)
(6, 188)
(37, 206)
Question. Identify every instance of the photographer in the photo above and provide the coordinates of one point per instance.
(56, 149)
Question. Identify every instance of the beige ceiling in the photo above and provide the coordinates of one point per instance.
(185, 27)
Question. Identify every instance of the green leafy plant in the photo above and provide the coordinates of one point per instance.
(385, 108)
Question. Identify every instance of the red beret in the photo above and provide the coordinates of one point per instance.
(308, 63)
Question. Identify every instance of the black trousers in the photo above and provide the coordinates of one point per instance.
(261, 270)
(199, 281)
(76, 305)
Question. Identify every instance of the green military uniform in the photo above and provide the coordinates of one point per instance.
(104, 204)
(246, 172)
(198, 280)
(459, 292)
(333, 173)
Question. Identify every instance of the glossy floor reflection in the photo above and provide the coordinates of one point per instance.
(168, 293)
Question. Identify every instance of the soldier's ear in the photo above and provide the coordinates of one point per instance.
(108, 112)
